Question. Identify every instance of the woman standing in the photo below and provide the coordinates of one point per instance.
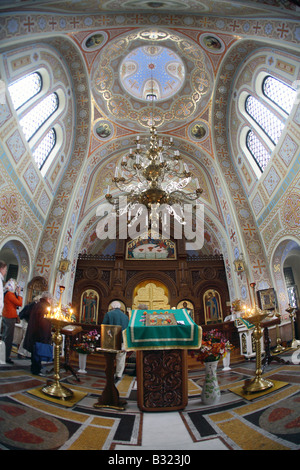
(38, 330)
(12, 300)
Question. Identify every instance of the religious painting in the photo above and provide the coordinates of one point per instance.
(212, 42)
(89, 307)
(198, 131)
(188, 306)
(239, 265)
(94, 41)
(64, 265)
(147, 248)
(103, 129)
(267, 298)
(212, 307)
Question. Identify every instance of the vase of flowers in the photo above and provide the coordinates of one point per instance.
(211, 393)
(84, 346)
(211, 351)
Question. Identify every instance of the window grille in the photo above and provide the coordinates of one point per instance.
(269, 123)
(258, 151)
(44, 149)
(25, 89)
(279, 93)
(33, 120)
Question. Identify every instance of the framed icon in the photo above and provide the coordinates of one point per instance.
(267, 298)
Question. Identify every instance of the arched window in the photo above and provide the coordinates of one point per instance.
(33, 120)
(258, 151)
(269, 123)
(25, 89)
(37, 118)
(266, 118)
(279, 93)
(45, 147)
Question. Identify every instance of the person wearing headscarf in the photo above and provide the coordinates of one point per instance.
(117, 317)
(12, 300)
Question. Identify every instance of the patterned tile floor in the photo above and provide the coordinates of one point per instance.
(267, 422)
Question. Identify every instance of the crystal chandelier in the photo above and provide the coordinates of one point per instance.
(153, 176)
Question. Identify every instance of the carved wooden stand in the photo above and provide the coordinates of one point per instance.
(110, 395)
(162, 380)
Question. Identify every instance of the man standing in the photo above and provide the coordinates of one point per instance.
(118, 318)
(3, 271)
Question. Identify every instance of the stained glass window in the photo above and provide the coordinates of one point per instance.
(25, 89)
(45, 147)
(258, 151)
(279, 93)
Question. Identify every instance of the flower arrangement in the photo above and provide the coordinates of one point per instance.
(88, 342)
(213, 347)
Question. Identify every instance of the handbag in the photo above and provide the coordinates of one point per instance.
(43, 351)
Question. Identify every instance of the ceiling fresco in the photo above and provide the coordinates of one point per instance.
(118, 55)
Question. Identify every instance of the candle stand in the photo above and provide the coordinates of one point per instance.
(291, 311)
(258, 384)
(58, 321)
(279, 348)
(256, 316)
(56, 389)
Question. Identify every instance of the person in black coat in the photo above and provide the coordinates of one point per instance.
(38, 330)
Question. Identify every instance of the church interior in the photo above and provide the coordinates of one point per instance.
(88, 89)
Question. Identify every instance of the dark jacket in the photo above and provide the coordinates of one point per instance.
(25, 312)
(39, 328)
(116, 317)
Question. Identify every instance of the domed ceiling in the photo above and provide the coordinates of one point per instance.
(154, 66)
(165, 67)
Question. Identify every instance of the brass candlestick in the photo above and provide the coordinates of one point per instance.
(58, 321)
(291, 311)
(258, 384)
(279, 348)
(56, 389)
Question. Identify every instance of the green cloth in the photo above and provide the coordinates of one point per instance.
(138, 336)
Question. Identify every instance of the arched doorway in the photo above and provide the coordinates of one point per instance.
(291, 271)
(152, 293)
(286, 272)
(16, 256)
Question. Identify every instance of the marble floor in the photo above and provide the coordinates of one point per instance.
(268, 422)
